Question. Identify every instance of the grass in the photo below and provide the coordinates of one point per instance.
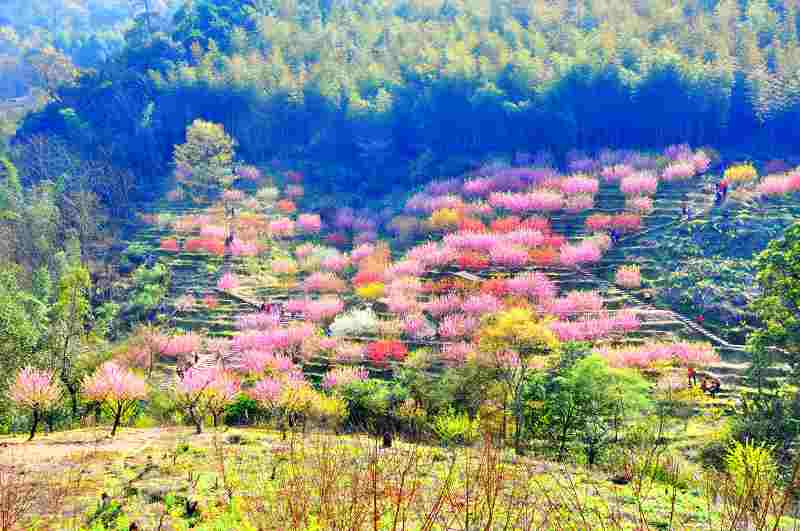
(169, 478)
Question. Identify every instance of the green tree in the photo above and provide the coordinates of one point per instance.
(21, 333)
(70, 332)
(590, 402)
(205, 161)
(778, 306)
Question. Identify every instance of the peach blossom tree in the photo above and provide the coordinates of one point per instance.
(115, 388)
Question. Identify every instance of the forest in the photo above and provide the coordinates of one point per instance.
(399, 264)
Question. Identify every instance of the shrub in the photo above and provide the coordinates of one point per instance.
(740, 173)
(355, 323)
(628, 276)
(170, 245)
(444, 219)
(382, 351)
(228, 281)
(456, 428)
(752, 468)
(372, 291)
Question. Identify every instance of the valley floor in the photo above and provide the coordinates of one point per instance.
(170, 478)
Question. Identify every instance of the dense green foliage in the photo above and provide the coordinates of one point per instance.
(393, 88)
(779, 304)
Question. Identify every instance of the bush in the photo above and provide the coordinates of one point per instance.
(752, 469)
(243, 411)
(456, 428)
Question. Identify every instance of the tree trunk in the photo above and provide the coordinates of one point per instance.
(34, 424)
(117, 418)
(197, 420)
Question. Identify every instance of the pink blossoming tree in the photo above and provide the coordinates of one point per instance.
(115, 388)
(35, 390)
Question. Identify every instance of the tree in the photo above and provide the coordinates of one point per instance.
(116, 389)
(206, 390)
(590, 401)
(51, 69)
(21, 333)
(778, 306)
(68, 327)
(516, 345)
(35, 390)
(204, 161)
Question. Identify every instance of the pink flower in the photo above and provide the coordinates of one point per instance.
(362, 251)
(639, 205)
(323, 309)
(35, 389)
(627, 222)
(281, 228)
(701, 162)
(405, 268)
(626, 321)
(525, 238)
(258, 361)
(304, 250)
(267, 391)
(774, 185)
(628, 276)
(257, 321)
(617, 172)
(512, 256)
(538, 200)
(227, 282)
(457, 325)
(323, 282)
(249, 173)
(309, 223)
(643, 183)
(479, 186)
(241, 248)
(475, 241)
(439, 306)
(581, 253)
(580, 184)
(679, 171)
(418, 327)
(433, 254)
(678, 151)
(481, 304)
(533, 285)
(110, 382)
(336, 262)
(578, 203)
(180, 344)
(233, 195)
(445, 187)
(400, 303)
(457, 353)
(213, 231)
